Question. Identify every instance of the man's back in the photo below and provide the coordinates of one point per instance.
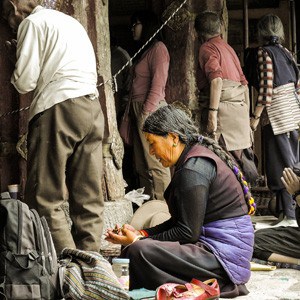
(54, 54)
(218, 59)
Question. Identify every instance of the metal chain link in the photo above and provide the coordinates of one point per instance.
(113, 78)
(14, 111)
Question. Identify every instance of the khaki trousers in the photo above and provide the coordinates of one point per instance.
(65, 164)
(151, 174)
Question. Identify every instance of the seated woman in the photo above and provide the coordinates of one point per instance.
(281, 244)
(209, 234)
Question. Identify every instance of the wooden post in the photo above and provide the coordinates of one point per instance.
(93, 15)
(183, 46)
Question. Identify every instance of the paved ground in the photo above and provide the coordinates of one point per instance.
(283, 284)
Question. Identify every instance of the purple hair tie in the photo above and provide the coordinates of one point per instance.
(235, 170)
(200, 139)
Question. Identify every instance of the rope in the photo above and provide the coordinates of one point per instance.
(14, 111)
(113, 79)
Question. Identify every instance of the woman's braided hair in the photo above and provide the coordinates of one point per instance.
(176, 118)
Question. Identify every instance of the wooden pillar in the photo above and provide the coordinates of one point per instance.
(9, 170)
(246, 24)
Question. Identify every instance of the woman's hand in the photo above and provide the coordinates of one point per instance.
(124, 235)
(290, 181)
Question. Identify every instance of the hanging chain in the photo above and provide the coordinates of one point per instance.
(14, 111)
(113, 79)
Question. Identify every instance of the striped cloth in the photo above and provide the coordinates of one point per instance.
(284, 113)
(266, 75)
(89, 276)
(266, 78)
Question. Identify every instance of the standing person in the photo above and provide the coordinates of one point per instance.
(119, 58)
(150, 75)
(55, 59)
(278, 81)
(224, 92)
(209, 234)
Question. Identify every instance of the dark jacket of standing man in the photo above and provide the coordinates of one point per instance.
(56, 60)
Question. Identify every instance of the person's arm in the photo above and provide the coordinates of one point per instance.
(292, 184)
(215, 95)
(159, 61)
(265, 86)
(27, 69)
(190, 196)
(283, 259)
(209, 61)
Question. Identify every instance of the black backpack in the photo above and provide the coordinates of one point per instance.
(28, 261)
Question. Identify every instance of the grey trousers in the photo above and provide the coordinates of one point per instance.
(64, 163)
(281, 151)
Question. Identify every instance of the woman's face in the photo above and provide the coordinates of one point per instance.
(166, 149)
(136, 29)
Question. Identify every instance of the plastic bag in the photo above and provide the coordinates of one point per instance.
(137, 196)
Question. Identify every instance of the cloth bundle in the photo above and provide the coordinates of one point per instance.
(90, 276)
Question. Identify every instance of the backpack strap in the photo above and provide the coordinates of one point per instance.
(63, 263)
(51, 252)
(61, 276)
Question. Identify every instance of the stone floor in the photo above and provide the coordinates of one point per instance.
(283, 284)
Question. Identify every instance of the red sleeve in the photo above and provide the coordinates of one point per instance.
(209, 60)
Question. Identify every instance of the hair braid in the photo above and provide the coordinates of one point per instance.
(220, 152)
